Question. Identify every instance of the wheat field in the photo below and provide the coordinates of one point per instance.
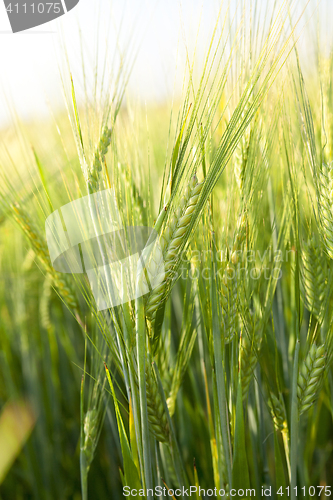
(213, 377)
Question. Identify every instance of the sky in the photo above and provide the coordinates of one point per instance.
(29, 61)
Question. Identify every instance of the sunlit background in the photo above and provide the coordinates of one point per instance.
(156, 31)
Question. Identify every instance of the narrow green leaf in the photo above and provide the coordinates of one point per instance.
(294, 425)
(196, 481)
(42, 177)
(219, 370)
(134, 445)
(213, 445)
(122, 477)
(280, 479)
(141, 357)
(77, 120)
(130, 471)
(203, 152)
(240, 470)
(176, 150)
(177, 458)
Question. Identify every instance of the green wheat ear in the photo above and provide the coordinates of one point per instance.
(230, 282)
(241, 157)
(90, 430)
(94, 173)
(324, 188)
(250, 345)
(310, 377)
(171, 241)
(38, 243)
(157, 417)
(278, 412)
(314, 276)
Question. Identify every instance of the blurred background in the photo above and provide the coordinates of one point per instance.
(156, 31)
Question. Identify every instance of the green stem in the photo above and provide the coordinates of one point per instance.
(83, 461)
(294, 426)
(141, 356)
(84, 475)
(133, 387)
(287, 452)
(177, 459)
(220, 379)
